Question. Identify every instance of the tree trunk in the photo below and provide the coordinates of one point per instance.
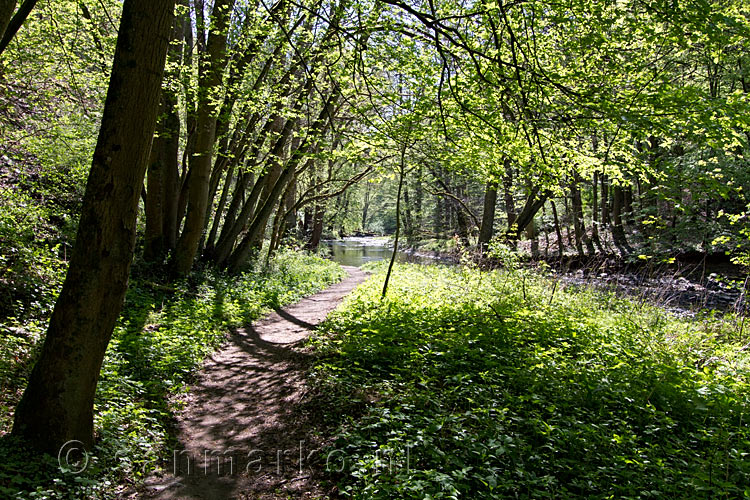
(531, 234)
(402, 168)
(408, 218)
(488, 215)
(14, 24)
(579, 226)
(211, 66)
(365, 206)
(558, 232)
(439, 217)
(58, 403)
(510, 209)
(317, 228)
(7, 7)
(595, 213)
(163, 175)
(605, 201)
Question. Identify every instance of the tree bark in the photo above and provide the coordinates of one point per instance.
(402, 168)
(558, 232)
(488, 215)
(7, 7)
(595, 213)
(15, 23)
(211, 67)
(57, 405)
(163, 170)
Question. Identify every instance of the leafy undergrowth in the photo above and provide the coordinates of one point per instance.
(163, 335)
(497, 384)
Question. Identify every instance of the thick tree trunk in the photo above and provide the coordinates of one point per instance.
(532, 236)
(317, 227)
(57, 405)
(488, 215)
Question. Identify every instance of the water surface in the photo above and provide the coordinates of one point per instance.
(356, 251)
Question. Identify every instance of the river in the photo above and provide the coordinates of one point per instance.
(356, 251)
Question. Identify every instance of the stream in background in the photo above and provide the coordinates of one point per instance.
(682, 293)
(359, 250)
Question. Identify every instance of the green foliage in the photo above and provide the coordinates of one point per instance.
(472, 384)
(162, 337)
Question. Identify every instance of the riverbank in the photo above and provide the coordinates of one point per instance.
(506, 384)
(684, 285)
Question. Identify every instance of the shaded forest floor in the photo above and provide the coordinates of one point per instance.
(242, 433)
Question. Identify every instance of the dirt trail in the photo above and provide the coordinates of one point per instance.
(241, 435)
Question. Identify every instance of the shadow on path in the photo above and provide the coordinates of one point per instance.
(241, 435)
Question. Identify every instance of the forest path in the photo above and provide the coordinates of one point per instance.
(242, 434)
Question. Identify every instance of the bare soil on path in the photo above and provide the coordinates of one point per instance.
(242, 434)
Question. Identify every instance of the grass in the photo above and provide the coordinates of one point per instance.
(161, 339)
(470, 384)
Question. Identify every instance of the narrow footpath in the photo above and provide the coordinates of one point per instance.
(242, 434)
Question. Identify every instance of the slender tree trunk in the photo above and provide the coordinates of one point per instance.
(402, 168)
(628, 205)
(546, 234)
(510, 209)
(408, 218)
(154, 234)
(418, 202)
(595, 213)
(211, 239)
(58, 403)
(439, 217)
(365, 206)
(210, 70)
(605, 201)
(290, 217)
(558, 232)
(579, 224)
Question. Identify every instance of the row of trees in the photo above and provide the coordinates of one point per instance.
(601, 116)
(609, 125)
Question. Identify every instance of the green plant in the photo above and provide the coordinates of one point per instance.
(497, 384)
